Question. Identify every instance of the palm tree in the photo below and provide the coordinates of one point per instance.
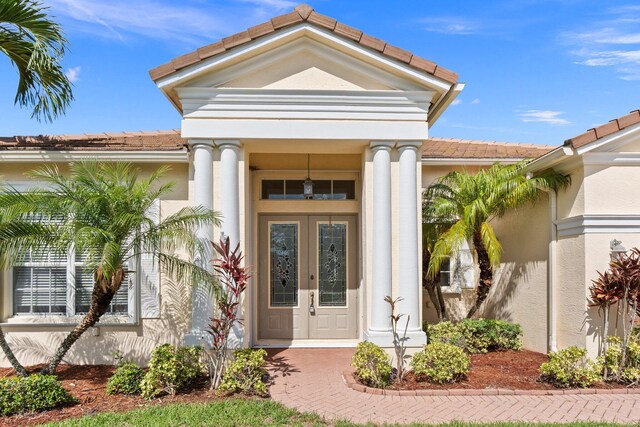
(464, 205)
(101, 210)
(35, 45)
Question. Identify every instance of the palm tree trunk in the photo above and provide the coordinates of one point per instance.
(433, 288)
(486, 274)
(100, 299)
(10, 356)
(443, 307)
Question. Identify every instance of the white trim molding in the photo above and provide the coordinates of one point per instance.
(590, 224)
(611, 159)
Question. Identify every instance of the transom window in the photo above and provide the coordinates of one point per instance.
(293, 189)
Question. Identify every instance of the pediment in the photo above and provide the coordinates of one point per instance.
(305, 57)
(304, 64)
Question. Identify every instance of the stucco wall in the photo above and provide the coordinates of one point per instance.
(34, 344)
(520, 287)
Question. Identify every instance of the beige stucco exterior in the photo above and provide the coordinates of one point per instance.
(310, 104)
(34, 339)
(601, 204)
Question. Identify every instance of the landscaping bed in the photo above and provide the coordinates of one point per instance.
(511, 370)
(88, 385)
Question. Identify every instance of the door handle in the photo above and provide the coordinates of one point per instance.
(312, 307)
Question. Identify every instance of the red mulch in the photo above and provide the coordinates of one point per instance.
(516, 370)
(88, 385)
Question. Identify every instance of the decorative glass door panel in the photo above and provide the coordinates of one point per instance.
(332, 264)
(284, 264)
(307, 281)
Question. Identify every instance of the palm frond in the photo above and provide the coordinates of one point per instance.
(35, 45)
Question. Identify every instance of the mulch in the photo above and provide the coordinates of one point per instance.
(514, 370)
(88, 385)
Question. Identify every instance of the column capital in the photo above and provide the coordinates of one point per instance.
(228, 143)
(194, 142)
(415, 145)
(382, 145)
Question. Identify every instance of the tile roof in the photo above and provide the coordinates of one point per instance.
(303, 13)
(166, 140)
(443, 148)
(601, 131)
(170, 140)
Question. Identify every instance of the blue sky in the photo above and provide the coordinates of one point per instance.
(536, 71)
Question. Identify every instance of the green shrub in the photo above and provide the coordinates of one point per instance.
(440, 363)
(570, 368)
(372, 366)
(171, 369)
(477, 335)
(627, 372)
(126, 379)
(19, 395)
(245, 373)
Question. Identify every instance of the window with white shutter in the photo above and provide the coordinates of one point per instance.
(47, 282)
(50, 283)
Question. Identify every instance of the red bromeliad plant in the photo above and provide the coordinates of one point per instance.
(619, 286)
(234, 279)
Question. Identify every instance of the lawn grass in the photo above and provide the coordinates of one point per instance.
(238, 413)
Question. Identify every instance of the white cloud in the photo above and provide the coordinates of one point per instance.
(456, 102)
(189, 22)
(73, 74)
(544, 116)
(475, 101)
(614, 42)
(451, 25)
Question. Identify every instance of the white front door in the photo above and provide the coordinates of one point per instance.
(307, 277)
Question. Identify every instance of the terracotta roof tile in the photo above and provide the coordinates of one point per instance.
(322, 20)
(372, 42)
(304, 13)
(286, 19)
(607, 129)
(347, 31)
(630, 119)
(453, 148)
(397, 53)
(601, 131)
(445, 74)
(304, 10)
(169, 140)
(210, 50)
(185, 60)
(423, 64)
(261, 30)
(236, 40)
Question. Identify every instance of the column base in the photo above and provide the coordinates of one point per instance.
(414, 339)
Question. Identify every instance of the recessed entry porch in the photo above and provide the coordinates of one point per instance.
(306, 288)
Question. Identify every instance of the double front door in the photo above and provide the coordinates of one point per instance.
(307, 277)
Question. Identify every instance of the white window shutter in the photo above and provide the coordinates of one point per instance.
(465, 267)
(150, 275)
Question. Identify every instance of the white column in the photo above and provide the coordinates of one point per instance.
(380, 326)
(202, 302)
(229, 189)
(229, 207)
(408, 241)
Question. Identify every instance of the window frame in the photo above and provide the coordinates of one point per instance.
(461, 271)
(70, 317)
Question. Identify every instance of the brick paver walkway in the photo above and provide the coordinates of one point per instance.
(310, 380)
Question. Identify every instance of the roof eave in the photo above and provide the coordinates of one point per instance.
(468, 161)
(443, 103)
